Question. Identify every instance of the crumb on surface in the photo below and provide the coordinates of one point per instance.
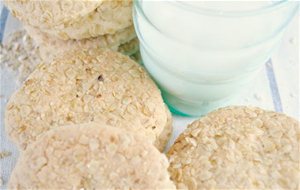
(19, 54)
(292, 95)
(257, 97)
(4, 154)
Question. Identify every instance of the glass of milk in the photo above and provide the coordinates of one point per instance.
(203, 53)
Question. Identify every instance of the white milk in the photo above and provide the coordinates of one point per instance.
(229, 5)
(202, 54)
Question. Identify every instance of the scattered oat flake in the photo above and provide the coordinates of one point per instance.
(291, 61)
(257, 97)
(19, 54)
(4, 154)
(292, 95)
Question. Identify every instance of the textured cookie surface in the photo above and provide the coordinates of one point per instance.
(87, 86)
(129, 48)
(48, 52)
(237, 148)
(124, 41)
(91, 156)
(71, 19)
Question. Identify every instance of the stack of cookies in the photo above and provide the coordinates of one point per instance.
(91, 119)
(60, 26)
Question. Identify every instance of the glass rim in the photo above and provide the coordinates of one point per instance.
(211, 12)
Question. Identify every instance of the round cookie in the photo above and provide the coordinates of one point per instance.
(166, 133)
(91, 156)
(124, 41)
(49, 53)
(237, 148)
(86, 86)
(71, 19)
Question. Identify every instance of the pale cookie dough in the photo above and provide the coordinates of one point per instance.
(91, 156)
(48, 53)
(167, 131)
(87, 86)
(237, 148)
(137, 57)
(124, 41)
(129, 48)
(70, 19)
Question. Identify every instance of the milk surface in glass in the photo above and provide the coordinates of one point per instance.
(202, 54)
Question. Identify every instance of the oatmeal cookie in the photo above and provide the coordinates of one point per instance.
(85, 86)
(237, 148)
(91, 156)
(71, 19)
(124, 41)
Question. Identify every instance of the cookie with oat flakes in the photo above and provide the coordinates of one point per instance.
(123, 41)
(237, 148)
(74, 19)
(91, 156)
(85, 86)
(49, 53)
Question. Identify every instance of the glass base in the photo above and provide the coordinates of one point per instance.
(175, 111)
(191, 109)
